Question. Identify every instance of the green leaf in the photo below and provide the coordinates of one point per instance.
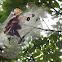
(55, 4)
(37, 53)
(60, 8)
(60, 0)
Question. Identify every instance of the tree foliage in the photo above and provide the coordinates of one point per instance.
(9, 5)
(42, 49)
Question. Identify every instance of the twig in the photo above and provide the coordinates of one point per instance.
(52, 7)
(31, 59)
(1, 48)
(45, 29)
(45, 23)
(22, 39)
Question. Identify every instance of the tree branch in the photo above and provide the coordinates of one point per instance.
(52, 7)
(45, 29)
(22, 39)
(46, 24)
(32, 59)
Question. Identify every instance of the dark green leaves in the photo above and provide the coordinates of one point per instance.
(60, 0)
(60, 8)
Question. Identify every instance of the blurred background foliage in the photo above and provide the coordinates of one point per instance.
(42, 49)
(9, 5)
